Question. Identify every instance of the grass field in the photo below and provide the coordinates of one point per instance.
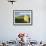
(22, 19)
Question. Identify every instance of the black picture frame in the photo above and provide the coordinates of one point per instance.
(27, 16)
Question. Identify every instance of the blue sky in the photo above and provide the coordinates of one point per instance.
(18, 13)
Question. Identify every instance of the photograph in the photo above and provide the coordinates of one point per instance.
(22, 16)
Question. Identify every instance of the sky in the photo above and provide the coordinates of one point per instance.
(18, 13)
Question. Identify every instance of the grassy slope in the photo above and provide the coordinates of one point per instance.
(20, 19)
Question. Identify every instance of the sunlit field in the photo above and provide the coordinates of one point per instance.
(22, 19)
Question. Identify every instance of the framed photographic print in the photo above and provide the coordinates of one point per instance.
(22, 17)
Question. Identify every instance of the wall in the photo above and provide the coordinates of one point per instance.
(38, 30)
